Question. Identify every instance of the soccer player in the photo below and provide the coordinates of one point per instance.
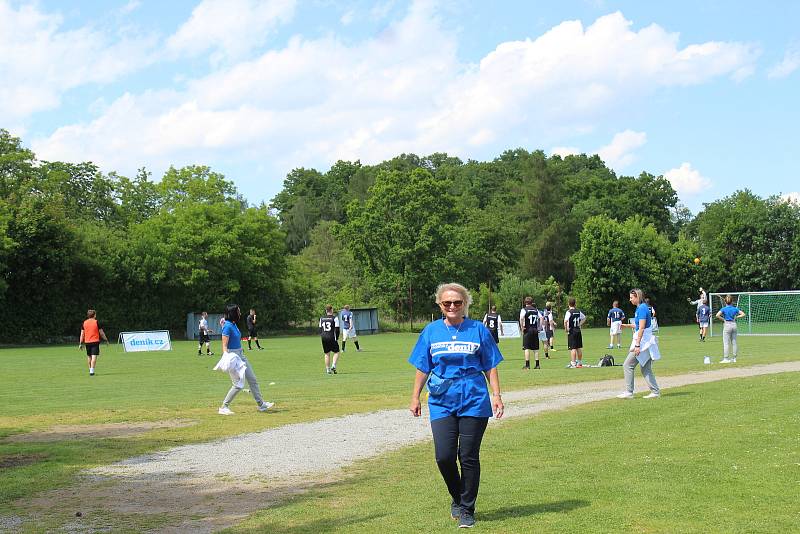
(493, 322)
(204, 330)
(91, 333)
(529, 319)
(543, 337)
(573, 321)
(252, 330)
(703, 299)
(550, 326)
(329, 331)
(614, 321)
(348, 328)
(703, 318)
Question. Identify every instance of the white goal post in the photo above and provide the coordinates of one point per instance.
(767, 313)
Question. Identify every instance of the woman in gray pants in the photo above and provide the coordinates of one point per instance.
(729, 314)
(644, 348)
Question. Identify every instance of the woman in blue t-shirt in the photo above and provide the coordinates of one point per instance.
(459, 355)
(729, 314)
(232, 342)
(644, 348)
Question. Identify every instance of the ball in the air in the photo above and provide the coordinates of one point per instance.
(697, 261)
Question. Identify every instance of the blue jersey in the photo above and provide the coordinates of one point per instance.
(347, 319)
(703, 313)
(730, 312)
(464, 359)
(642, 312)
(615, 314)
(234, 336)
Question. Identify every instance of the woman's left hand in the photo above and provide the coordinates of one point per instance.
(497, 407)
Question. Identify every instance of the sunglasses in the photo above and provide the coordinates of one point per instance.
(452, 303)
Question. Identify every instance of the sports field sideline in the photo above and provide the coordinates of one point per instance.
(147, 402)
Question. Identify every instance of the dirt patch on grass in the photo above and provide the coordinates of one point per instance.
(18, 460)
(107, 430)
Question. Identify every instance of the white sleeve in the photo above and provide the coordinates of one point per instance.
(583, 317)
(566, 316)
(499, 320)
(522, 314)
(484, 318)
(335, 321)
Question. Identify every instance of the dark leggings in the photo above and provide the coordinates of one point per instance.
(460, 437)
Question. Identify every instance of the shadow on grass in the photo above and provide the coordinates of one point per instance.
(318, 525)
(500, 514)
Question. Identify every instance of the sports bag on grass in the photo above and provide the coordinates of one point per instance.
(607, 361)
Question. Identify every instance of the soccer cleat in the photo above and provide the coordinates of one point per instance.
(619, 346)
(209, 353)
(265, 406)
(467, 520)
(652, 395)
(547, 355)
(625, 395)
(91, 373)
(333, 370)
(455, 511)
(526, 367)
(199, 353)
(327, 371)
(358, 350)
(225, 411)
(580, 365)
(724, 360)
(537, 366)
(553, 349)
(733, 360)
(610, 347)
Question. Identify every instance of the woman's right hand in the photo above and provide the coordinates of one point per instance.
(415, 407)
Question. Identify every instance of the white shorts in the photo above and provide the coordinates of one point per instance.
(349, 334)
(542, 335)
(704, 325)
(616, 327)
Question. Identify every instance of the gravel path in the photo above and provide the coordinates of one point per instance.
(295, 450)
(210, 486)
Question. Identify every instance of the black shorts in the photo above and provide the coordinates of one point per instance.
(330, 345)
(549, 334)
(495, 336)
(253, 332)
(204, 338)
(93, 349)
(575, 340)
(530, 340)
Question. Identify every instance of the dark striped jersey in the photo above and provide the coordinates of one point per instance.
(491, 320)
(328, 326)
(530, 317)
(574, 318)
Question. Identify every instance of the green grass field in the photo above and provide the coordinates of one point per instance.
(568, 454)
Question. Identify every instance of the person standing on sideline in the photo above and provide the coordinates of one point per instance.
(457, 355)
(573, 321)
(729, 314)
(204, 332)
(493, 322)
(329, 331)
(252, 330)
(543, 338)
(703, 318)
(91, 333)
(550, 326)
(644, 348)
(348, 328)
(529, 325)
(614, 321)
(232, 342)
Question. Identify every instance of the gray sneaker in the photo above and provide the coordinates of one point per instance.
(266, 406)
(467, 520)
(455, 511)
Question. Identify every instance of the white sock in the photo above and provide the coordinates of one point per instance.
(91, 369)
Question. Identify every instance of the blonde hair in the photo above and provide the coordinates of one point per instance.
(639, 294)
(458, 288)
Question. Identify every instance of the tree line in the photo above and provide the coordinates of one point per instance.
(145, 252)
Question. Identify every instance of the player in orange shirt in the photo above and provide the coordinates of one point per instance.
(91, 332)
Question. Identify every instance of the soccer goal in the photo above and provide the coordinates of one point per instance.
(768, 313)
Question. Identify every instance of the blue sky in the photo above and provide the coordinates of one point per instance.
(704, 93)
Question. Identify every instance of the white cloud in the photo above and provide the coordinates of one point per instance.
(564, 151)
(789, 64)
(40, 61)
(314, 101)
(230, 28)
(793, 197)
(347, 18)
(686, 180)
(618, 153)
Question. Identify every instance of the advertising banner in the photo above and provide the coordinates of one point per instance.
(511, 329)
(146, 341)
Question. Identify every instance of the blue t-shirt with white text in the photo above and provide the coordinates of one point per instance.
(703, 313)
(464, 359)
(615, 314)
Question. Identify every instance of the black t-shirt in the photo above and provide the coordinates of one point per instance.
(491, 321)
(328, 326)
(531, 319)
(250, 322)
(574, 321)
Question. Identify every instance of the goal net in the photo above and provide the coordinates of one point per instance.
(767, 313)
